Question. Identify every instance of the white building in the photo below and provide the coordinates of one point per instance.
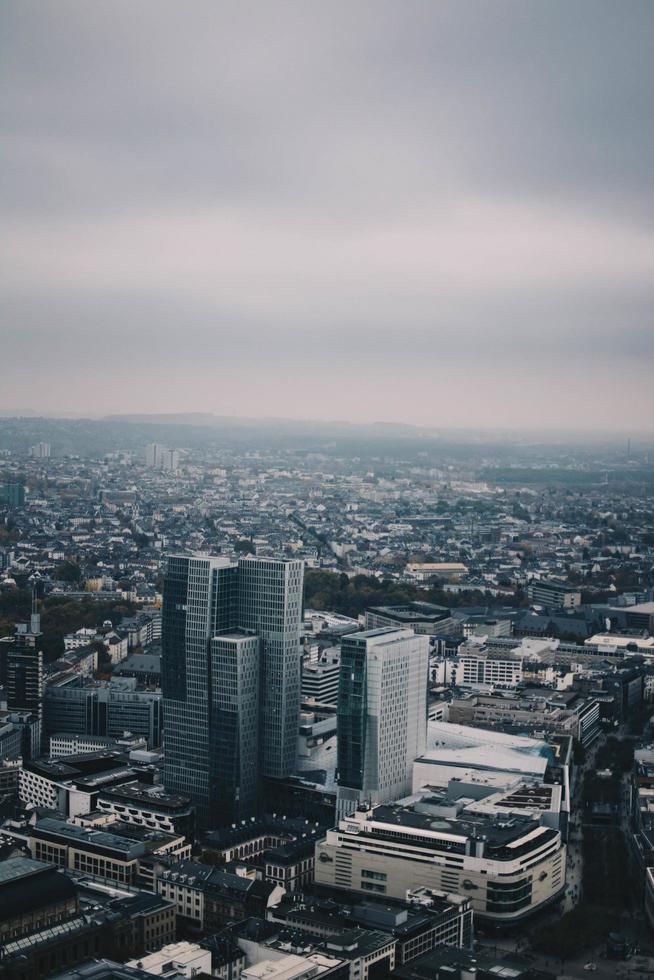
(181, 959)
(508, 865)
(290, 967)
(487, 669)
(382, 714)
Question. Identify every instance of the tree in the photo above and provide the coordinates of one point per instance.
(68, 571)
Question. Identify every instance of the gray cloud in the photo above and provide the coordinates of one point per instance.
(395, 199)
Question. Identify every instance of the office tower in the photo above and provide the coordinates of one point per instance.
(169, 460)
(152, 455)
(21, 676)
(234, 724)
(40, 451)
(160, 458)
(270, 604)
(199, 600)
(21, 662)
(382, 715)
(230, 678)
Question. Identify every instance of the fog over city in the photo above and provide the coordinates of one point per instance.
(434, 213)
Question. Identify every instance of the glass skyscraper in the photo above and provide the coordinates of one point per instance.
(231, 679)
(270, 603)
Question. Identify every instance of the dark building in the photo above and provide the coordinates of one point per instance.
(82, 708)
(231, 679)
(33, 896)
(416, 926)
(13, 495)
(207, 897)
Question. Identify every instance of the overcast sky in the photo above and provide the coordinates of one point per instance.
(434, 212)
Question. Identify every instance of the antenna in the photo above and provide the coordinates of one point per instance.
(35, 619)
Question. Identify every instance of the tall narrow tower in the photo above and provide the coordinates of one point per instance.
(382, 715)
(199, 599)
(270, 603)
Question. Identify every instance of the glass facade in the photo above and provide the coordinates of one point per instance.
(231, 700)
(270, 604)
(352, 713)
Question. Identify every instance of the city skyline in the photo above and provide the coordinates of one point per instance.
(447, 210)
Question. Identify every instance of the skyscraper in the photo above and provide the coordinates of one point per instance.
(41, 450)
(234, 726)
(197, 602)
(153, 454)
(230, 677)
(270, 603)
(382, 715)
(22, 676)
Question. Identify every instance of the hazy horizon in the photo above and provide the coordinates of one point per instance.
(202, 419)
(429, 214)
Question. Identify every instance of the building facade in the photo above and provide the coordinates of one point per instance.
(508, 868)
(231, 642)
(382, 714)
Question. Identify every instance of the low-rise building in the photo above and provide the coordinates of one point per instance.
(508, 865)
(110, 854)
(149, 806)
(33, 896)
(207, 897)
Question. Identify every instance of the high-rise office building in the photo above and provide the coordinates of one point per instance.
(382, 715)
(21, 664)
(198, 601)
(153, 454)
(160, 458)
(169, 460)
(230, 677)
(270, 603)
(40, 451)
(234, 727)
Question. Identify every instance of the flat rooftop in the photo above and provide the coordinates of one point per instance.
(153, 796)
(411, 612)
(16, 869)
(497, 833)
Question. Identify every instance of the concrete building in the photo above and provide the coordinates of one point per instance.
(320, 676)
(422, 617)
(99, 708)
(181, 959)
(148, 806)
(33, 896)
(487, 669)
(426, 920)
(547, 592)
(508, 867)
(207, 897)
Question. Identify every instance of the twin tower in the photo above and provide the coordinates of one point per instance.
(231, 679)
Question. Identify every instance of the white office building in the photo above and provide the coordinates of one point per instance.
(382, 715)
